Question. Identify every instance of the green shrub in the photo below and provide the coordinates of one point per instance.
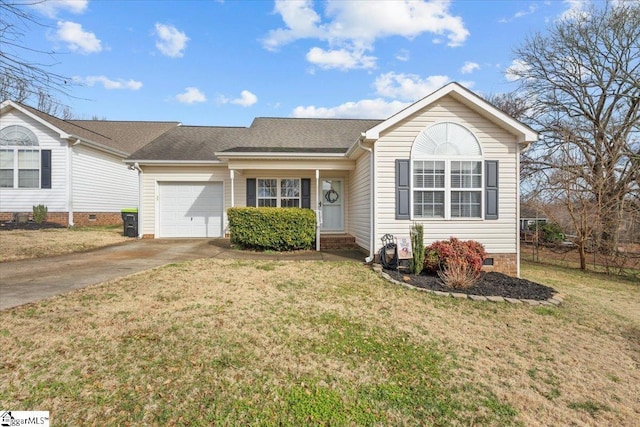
(417, 248)
(551, 232)
(40, 213)
(468, 254)
(279, 229)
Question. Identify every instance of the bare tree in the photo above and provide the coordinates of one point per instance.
(584, 77)
(26, 73)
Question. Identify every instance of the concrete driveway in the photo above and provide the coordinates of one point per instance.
(22, 282)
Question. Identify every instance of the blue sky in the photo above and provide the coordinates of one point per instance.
(226, 62)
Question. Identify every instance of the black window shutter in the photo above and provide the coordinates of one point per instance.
(491, 189)
(305, 193)
(251, 192)
(403, 180)
(45, 169)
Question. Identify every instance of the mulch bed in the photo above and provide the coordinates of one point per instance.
(29, 225)
(489, 284)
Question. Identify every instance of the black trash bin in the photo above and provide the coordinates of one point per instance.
(130, 221)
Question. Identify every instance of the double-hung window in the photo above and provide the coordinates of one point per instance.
(19, 158)
(446, 174)
(284, 193)
(466, 189)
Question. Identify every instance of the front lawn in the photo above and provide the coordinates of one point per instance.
(223, 342)
(24, 244)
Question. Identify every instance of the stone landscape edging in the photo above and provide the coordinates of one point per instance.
(554, 301)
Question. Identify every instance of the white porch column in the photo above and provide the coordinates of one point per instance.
(318, 210)
(233, 189)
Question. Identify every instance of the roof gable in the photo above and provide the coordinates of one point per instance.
(523, 132)
(115, 136)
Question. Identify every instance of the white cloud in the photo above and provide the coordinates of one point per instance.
(577, 9)
(301, 22)
(352, 21)
(191, 95)
(77, 39)
(469, 67)
(520, 14)
(51, 8)
(514, 71)
(247, 99)
(172, 42)
(350, 27)
(341, 58)
(408, 87)
(366, 108)
(403, 55)
(108, 83)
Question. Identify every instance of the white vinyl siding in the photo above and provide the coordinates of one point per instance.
(498, 236)
(359, 213)
(23, 199)
(102, 182)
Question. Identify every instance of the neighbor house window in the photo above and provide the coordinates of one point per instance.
(284, 193)
(19, 158)
(446, 173)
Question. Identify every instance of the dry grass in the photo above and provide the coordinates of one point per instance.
(24, 244)
(291, 343)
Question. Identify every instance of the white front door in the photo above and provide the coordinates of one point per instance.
(332, 205)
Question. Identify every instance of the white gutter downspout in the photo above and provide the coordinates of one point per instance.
(70, 183)
(372, 192)
(136, 166)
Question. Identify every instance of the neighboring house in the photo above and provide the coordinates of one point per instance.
(449, 161)
(74, 167)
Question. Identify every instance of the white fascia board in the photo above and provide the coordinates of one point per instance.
(524, 133)
(40, 120)
(272, 155)
(98, 147)
(174, 162)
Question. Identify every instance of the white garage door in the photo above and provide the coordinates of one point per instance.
(190, 209)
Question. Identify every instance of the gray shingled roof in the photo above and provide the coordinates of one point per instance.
(274, 135)
(119, 135)
(190, 143)
(126, 136)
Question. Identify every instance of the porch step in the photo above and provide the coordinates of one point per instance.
(337, 241)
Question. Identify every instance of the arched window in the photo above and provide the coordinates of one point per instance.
(19, 158)
(18, 136)
(447, 174)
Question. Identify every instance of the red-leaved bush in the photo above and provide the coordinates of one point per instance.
(439, 256)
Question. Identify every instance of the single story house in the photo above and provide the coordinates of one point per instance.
(74, 167)
(449, 161)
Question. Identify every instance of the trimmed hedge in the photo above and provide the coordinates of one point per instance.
(279, 229)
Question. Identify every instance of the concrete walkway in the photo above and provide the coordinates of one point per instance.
(22, 282)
